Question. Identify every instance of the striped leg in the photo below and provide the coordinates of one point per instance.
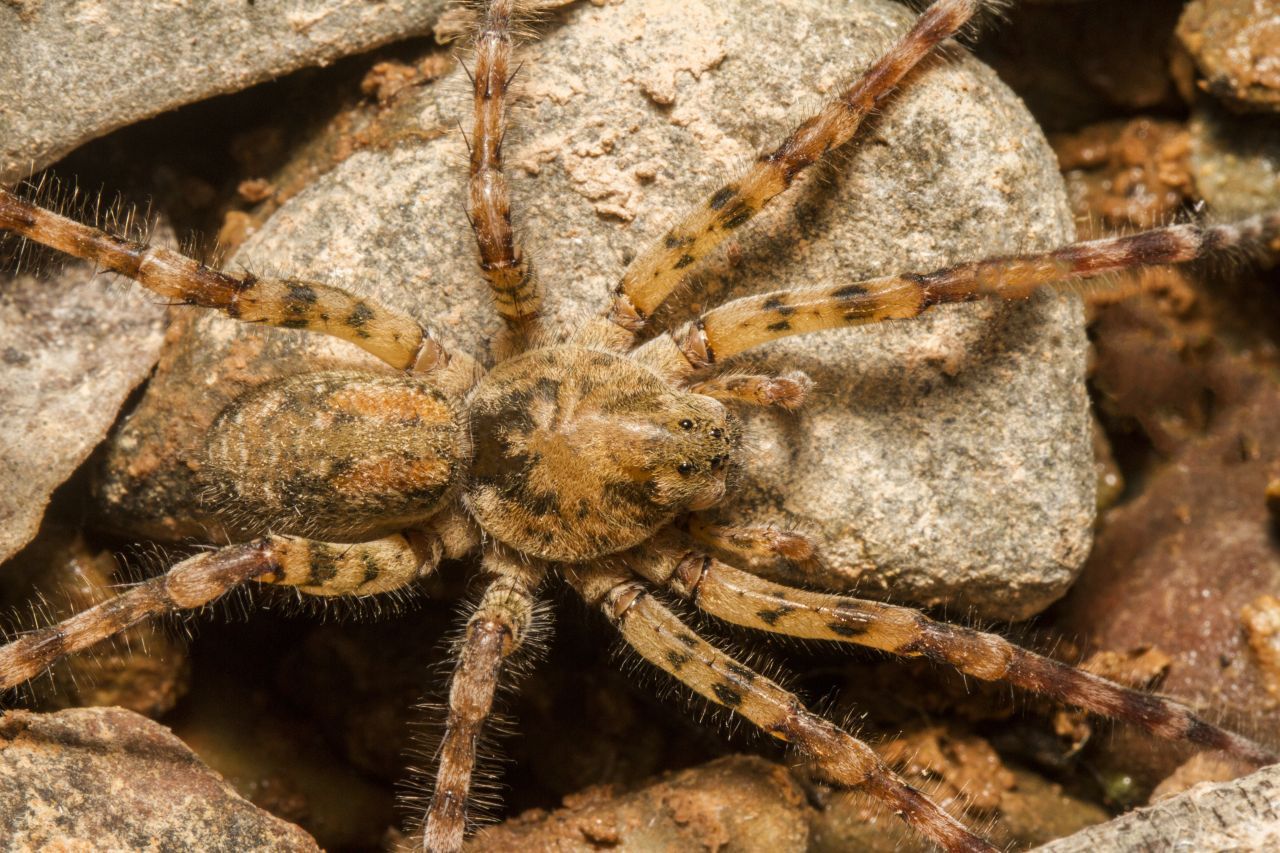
(666, 263)
(667, 643)
(765, 549)
(496, 630)
(754, 320)
(289, 303)
(511, 281)
(744, 599)
(787, 392)
(318, 568)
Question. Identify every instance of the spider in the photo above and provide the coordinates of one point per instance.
(591, 458)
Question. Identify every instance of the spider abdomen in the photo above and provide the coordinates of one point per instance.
(339, 454)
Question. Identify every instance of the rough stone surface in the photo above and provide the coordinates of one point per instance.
(72, 70)
(942, 460)
(748, 804)
(1236, 46)
(1235, 161)
(1183, 567)
(72, 347)
(1228, 816)
(108, 779)
(735, 803)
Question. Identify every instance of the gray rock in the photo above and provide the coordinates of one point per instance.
(109, 779)
(73, 348)
(945, 460)
(1235, 161)
(1228, 816)
(72, 70)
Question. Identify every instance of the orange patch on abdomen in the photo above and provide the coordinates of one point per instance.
(393, 476)
(403, 404)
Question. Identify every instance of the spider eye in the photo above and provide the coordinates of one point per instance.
(686, 424)
(685, 468)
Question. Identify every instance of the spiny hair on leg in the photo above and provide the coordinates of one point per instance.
(65, 592)
(988, 14)
(669, 691)
(416, 788)
(336, 609)
(113, 214)
(33, 613)
(415, 791)
(464, 20)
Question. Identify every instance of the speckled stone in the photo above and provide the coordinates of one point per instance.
(1236, 47)
(1226, 816)
(943, 461)
(110, 779)
(1235, 161)
(72, 347)
(72, 70)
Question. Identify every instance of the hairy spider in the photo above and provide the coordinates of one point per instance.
(590, 458)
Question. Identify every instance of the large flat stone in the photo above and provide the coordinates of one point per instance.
(1209, 818)
(72, 70)
(109, 779)
(74, 347)
(945, 460)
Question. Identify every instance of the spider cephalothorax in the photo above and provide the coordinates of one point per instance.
(570, 461)
(581, 453)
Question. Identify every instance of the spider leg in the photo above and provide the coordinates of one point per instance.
(838, 757)
(739, 597)
(496, 630)
(666, 263)
(763, 548)
(318, 568)
(515, 289)
(289, 303)
(787, 392)
(754, 320)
